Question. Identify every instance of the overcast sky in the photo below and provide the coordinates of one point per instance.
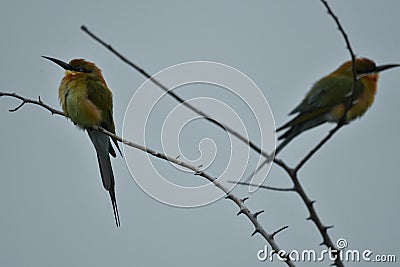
(54, 210)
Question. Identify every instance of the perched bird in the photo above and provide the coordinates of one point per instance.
(327, 99)
(87, 101)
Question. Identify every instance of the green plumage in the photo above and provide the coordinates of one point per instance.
(327, 93)
(327, 99)
(87, 101)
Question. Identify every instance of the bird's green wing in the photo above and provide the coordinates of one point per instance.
(328, 92)
(101, 96)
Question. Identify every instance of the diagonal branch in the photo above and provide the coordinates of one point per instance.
(279, 189)
(313, 216)
(349, 104)
(252, 216)
(178, 98)
(340, 28)
(317, 147)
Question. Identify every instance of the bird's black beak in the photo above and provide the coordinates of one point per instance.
(386, 67)
(60, 63)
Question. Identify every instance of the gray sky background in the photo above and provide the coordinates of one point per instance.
(54, 210)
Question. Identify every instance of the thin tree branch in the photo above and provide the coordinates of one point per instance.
(350, 101)
(317, 147)
(239, 202)
(340, 28)
(176, 97)
(327, 241)
(349, 104)
(31, 101)
(289, 189)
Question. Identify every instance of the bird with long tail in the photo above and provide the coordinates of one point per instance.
(86, 99)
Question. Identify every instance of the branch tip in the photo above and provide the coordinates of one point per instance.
(18, 107)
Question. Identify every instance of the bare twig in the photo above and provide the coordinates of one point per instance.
(239, 202)
(31, 101)
(340, 28)
(178, 98)
(317, 147)
(289, 189)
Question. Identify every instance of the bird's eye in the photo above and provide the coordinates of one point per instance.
(82, 70)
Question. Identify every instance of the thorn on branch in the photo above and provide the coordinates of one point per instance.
(229, 196)
(255, 232)
(244, 199)
(258, 213)
(279, 230)
(241, 211)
